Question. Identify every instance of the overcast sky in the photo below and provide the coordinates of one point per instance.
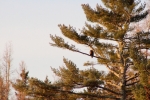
(27, 24)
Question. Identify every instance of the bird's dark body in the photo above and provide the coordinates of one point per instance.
(91, 53)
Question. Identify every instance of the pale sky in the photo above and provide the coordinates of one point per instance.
(27, 24)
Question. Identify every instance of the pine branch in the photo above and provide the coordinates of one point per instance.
(108, 90)
(90, 95)
(132, 78)
(132, 83)
(112, 71)
(113, 85)
(93, 56)
(138, 17)
(88, 54)
(55, 90)
(59, 42)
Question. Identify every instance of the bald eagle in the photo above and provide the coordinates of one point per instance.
(91, 53)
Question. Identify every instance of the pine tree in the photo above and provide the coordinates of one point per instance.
(29, 88)
(127, 75)
(21, 85)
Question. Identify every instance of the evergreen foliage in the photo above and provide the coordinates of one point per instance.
(128, 62)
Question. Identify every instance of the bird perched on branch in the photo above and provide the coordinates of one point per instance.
(91, 53)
